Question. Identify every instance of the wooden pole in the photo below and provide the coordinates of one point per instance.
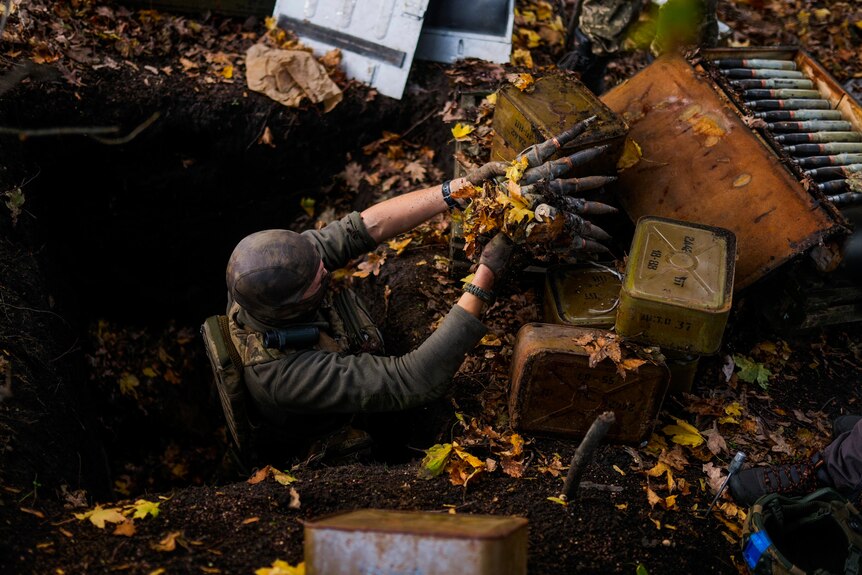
(584, 453)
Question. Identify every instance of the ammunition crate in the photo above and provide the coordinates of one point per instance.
(678, 285)
(555, 391)
(581, 295)
(703, 163)
(555, 104)
(377, 541)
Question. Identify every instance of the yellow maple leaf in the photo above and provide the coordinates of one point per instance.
(280, 567)
(858, 24)
(399, 246)
(631, 155)
(128, 382)
(530, 38)
(99, 515)
(516, 169)
(684, 433)
(461, 131)
(149, 372)
(521, 57)
(822, 13)
(227, 72)
(469, 458)
(142, 508)
(516, 209)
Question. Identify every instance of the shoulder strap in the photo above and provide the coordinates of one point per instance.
(231, 348)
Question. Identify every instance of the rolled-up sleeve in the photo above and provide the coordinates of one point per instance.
(324, 382)
(341, 241)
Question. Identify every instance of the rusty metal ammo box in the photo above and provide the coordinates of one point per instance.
(412, 542)
(581, 295)
(556, 103)
(678, 285)
(555, 391)
(705, 161)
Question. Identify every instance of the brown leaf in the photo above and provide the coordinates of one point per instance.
(294, 498)
(715, 442)
(168, 542)
(126, 529)
(512, 467)
(250, 520)
(652, 497)
(674, 458)
(260, 475)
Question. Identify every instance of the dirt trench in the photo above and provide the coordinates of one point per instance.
(124, 240)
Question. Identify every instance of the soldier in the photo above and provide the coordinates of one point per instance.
(838, 466)
(311, 357)
(607, 27)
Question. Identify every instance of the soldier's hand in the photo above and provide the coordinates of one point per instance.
(496, 254)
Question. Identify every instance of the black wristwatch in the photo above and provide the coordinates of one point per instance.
(486, 296)
(447, 196)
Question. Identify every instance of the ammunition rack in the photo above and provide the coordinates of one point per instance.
(799, 110)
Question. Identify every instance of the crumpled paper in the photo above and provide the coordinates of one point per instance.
(288, 76)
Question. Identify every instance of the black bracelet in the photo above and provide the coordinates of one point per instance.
(447, 196)
(486, 296)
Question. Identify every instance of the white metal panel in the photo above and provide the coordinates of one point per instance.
(464, 37)
(377, 37)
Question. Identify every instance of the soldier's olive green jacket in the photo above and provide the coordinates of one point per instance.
(315, 380)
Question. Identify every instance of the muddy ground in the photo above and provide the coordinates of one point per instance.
(118, 254)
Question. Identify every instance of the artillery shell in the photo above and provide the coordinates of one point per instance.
(759, 63)
(792, 104)
(837, 160)
(811, 126)
(774, 83)
(751, 73)
(556, 168)
(780, 94)
(846, 199)
(825, 149)
(833, 172)
(832, 187)
(776, 115)
(826, 137)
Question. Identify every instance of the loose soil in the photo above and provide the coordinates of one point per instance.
(119, 254)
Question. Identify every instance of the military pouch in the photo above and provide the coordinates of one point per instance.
(819, 534)
(227, 369)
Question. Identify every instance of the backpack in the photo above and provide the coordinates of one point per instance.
(227, 369)
(820, 534)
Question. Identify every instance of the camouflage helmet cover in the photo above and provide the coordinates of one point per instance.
(269, 272)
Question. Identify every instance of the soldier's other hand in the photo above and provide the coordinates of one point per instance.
(496, 254)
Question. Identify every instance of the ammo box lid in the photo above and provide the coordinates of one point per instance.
(681, 263)
(422, 523)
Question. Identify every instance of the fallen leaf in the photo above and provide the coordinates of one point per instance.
(98, 516)
(126, 529)
(715, 442)
(618, 470)
(461, 131)
(683, 433)
(168, 542)
(559, 500)
(652, 497)
(307, 204)
(632, 154)
(399, 245)
(280, 567)
(142, 508)
(282, 477)
(752, 372)
(294, 499)
(250, 520)
(435, 460)
(128, 384)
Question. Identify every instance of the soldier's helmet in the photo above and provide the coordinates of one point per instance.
(269, 274)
